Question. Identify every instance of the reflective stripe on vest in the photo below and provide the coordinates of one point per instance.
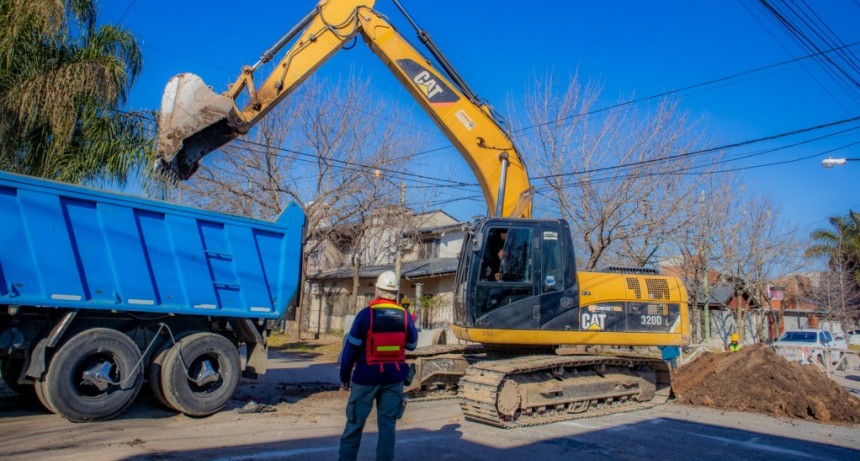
(385, 344)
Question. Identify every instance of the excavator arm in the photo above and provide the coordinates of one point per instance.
(195, 121)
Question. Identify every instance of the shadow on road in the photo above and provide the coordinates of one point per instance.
(661, 439)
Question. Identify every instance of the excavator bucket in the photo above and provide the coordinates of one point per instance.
(193, 122)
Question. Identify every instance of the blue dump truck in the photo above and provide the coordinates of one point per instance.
(100, 292)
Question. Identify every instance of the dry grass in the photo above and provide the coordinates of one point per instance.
(326, 349)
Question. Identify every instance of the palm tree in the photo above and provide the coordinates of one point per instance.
(840, 245)
(62, 80)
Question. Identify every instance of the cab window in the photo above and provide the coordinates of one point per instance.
(506, 269)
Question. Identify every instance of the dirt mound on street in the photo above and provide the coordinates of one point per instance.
(757, 379)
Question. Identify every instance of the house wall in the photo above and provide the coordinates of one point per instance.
(329, 302)
(722, 324)
(327, 306)
(450, 245)
(326, 257)
(761, 326)
(794, 320)
(441, 312)
(435, 219)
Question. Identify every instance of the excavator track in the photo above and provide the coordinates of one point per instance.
(536, 390)
(439, 369)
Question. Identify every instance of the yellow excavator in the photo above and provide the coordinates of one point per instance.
(544, 342)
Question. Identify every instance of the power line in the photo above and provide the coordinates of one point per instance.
(127, 9)
(345, 164)
(815, 54)
(422, 179)
(703, 151)
(693, 168)
(827, 69)
(806, 41)
(360, 166)
(687, 88)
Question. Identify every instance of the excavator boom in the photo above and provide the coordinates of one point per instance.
(196, 121)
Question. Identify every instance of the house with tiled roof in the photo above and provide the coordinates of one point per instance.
(430, 247)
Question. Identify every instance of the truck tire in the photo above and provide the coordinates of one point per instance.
(39, 389)
(157, 365)
(155, 373)
(78, 398)
(200, 374)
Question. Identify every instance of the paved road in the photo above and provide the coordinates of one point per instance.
(435, 432)
(309, 429)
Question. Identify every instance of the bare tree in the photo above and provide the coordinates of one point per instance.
(836, 290)
(695, 243)
(618, 178)
(322, 148)
(754, 247)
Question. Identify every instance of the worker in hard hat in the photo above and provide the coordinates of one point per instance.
(404, 301)
(374, 354)
(735, 344)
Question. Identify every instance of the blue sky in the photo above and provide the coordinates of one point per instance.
(636, 49)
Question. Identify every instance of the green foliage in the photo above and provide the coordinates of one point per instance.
(840, 245)
(429, 307)
(61, 80)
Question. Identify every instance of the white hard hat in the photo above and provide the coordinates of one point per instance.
(387, 281)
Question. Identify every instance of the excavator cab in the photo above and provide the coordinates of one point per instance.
(516, 274)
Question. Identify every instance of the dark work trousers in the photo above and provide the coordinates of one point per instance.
(389, 408)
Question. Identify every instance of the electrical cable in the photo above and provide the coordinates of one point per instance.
(706, 150)
(594, 181)
(815, 78)
(127, 9)
(685, 88)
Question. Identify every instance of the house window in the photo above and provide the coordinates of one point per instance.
(314, 256)
(429, 249)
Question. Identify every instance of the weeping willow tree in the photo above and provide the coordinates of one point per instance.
(62, 79)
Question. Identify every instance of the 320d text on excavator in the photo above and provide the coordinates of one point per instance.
(544, 342)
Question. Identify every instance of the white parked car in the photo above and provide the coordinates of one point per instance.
(839, 342)
(853, 337)
(809, 344)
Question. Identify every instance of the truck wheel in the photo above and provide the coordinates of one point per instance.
(157, 365)
(200, 374)
(155, 373)
(39, 389)
(94, 376)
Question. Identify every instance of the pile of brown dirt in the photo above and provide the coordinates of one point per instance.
(756, 379)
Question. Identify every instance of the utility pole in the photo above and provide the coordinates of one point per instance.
(398, 256)
(704, 255)
(419, 296)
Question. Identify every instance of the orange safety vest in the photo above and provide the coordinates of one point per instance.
(386, 337)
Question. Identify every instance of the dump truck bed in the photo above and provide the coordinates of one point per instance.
(66, 246)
